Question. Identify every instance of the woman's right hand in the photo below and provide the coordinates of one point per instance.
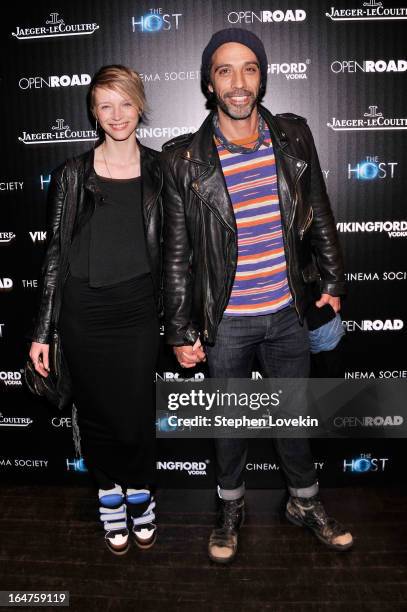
(39, 354)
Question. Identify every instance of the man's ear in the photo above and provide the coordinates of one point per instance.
(210, 88)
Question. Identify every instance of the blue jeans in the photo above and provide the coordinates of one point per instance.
(281, 346)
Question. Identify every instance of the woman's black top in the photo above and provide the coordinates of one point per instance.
(111, 247)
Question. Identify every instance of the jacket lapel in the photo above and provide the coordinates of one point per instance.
(89, 174)
(151, 184)
(289, 167)
(208, 172)
(210, 187)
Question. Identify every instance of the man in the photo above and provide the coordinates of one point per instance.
(247, 219)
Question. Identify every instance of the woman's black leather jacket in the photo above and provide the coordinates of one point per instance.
(72, 196)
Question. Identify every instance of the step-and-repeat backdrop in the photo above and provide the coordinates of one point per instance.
(341, 64)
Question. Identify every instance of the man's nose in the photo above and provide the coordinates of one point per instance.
(238, 79)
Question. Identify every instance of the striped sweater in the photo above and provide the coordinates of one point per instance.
(260, 285)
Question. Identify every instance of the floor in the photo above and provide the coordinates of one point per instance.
(50, 540)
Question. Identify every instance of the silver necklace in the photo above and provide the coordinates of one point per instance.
(104, 159)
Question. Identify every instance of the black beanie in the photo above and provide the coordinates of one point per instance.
(238, 35)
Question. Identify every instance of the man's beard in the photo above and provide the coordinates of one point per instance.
(237, 111)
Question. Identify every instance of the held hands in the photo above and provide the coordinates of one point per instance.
(39, 354)
(189, 356)
(325, 298)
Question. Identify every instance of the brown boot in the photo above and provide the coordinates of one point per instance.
(223, 539)
(309, 512)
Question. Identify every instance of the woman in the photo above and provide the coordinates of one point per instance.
(107, 279)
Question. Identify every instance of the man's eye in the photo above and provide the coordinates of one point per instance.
(223, 71)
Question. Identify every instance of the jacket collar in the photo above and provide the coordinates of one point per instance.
(209, 184)
(201, 149)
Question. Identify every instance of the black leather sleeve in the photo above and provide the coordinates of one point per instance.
(324, 236)
(55, 202)
(177, 261)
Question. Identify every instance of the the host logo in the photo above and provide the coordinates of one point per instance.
(60, 133)
(7, 237)
(292, 70)
(6, 284)
(365, 463)
(54, 26)
(376, 325)
(394, 229)
(45, 181)
(194, 468)
(155, 21)
(371, 10)
(38, 236)
(11, 379)
(372, 120)
(76, 465)
(276, 16)
(371, 169)
(352, 66)
(65, 80)
(14, 421)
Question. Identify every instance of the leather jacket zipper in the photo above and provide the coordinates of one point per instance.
(223, 301)
(307, 223)
(297, 178)
(286, 237)
(205, 331)
(299, 175)
(203, 203)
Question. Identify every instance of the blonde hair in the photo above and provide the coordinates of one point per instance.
(120, 79)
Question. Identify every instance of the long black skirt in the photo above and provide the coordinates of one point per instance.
(110, 338)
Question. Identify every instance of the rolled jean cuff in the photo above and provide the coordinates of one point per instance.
(305, 492)
(231, 494)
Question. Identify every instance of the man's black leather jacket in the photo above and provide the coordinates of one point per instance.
(72, 196)
(200, 236)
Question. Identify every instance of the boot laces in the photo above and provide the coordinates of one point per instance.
(229, 514)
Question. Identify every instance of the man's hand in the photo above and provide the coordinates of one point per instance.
(39, 355)
(335, 302)
(189, 356)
